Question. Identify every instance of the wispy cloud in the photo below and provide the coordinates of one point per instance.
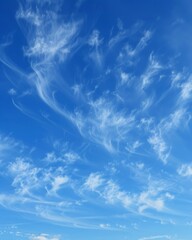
(6, 152)
(105, 124)
(43, 236)
(186, 89)
(185, 170)
(159, 146)
(150, 200)
(157, 237)
(153, 69)
(95, 41)
(129, 53)
(47, 38)
(107, 90)
(94, 181)
(50, 41)
(154, 197)
(29, 179)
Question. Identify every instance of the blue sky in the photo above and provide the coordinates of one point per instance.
(95, 126)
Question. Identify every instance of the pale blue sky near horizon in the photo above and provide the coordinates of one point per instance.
(95, 120)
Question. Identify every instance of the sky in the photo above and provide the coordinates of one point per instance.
(95, 120)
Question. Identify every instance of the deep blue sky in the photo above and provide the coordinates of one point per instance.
(95, 126)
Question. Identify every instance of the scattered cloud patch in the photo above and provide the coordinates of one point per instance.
(44, 236)
(185, 170)
(152, 70)
(12, 92)
(157, 237)
(94, 181)
(159, 146)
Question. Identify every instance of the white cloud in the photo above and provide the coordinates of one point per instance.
(5, 143)
(174, 120)
(141, 44)
(105, 124)
(19, 166)
(77, 89)
(147, 103)
(43, 237)
(25, 176)
(128, 53)
(94, 181)
(132, 148)
(113, 195)
(104, 225)
(185, 170)
(157, 237)
(67, 157)
(120, 36)
(124, 78)
(27, 179)
(146, 201)
(94, 39)
(51, 157)
(159, 146)
(71, 157)
(57, 183)
(169, 196)
(186, 89)
(50, 41)
(143, 41)
(107, 190)
(153, 68)
(47, 37)
(153, 197)
(176, 77)
(12, 92)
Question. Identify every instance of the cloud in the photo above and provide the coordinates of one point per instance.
(94, 40)
(153, 69)
(25, 176)
(47, 37)
(5, 143)
(120, 36)
(12, 92)
(50, 42)
(147, 103)
(186, 89)
(120, 127)
(113, 195)
(174, 120)
(124, 77)
(31, 180)
(153, 197)
(157, 237)
(7, 152)
(105, 124)
(57, 183)
(128, 53)
(94, 181)
(62, 155)
(104, 225)
(132, 148)
(166, 126)
(185, 170)
(159, 146)
(107, 190)
(43, 236)
(143, 41)
(147, 201)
